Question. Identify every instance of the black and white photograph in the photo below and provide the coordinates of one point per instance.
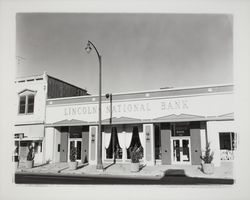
(125, 99)
(164, 108)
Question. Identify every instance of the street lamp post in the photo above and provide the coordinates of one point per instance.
(99, 165)
(109, 96)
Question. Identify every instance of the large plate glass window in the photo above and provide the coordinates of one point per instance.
(114, 149)
(227, 145)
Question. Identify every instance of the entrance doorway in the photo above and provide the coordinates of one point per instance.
(181, 150)
(75, 143)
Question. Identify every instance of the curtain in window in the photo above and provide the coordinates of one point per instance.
(121, 139)
(128, 137)
(107, 138)
(142, 139)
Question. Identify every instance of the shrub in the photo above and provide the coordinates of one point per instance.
(135, 153)
(31, 154)
(72, 156)
(208, 157)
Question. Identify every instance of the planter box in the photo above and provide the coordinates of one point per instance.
(29, 164)
(134, 167)
(208, 168)
(73, 165)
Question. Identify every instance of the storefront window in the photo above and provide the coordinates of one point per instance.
(227, 145)
(135, 142)
(114, 148)
(24, 147)
(37, 144)
(227, 141)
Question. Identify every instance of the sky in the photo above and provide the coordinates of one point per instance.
(139, 51)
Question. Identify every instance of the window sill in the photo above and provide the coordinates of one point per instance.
(25, 114)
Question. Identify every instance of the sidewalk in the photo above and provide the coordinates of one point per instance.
(225, 171)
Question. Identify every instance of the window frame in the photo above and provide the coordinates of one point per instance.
(26, 94)
(19, 107)
(28, 103)
(232, 140)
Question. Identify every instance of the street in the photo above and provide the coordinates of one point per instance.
(25, 178)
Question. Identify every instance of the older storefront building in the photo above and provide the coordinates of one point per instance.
(172, 126)
(32, 93)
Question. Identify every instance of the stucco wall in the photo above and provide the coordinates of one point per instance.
(38, 116)
(213, 129)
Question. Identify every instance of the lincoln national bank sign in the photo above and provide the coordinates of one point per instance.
(126, 107)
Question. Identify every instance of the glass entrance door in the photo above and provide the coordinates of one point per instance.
(77, 143)
(180, 150)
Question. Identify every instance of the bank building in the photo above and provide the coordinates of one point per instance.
(171, 125)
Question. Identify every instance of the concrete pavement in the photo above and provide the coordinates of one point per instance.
(225, 171)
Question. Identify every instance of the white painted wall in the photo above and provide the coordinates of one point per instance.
(152, 161)
(40, 86)
(213, 129)
(38, 156)
(93, 162)
(213, 139)
(49, 143)
(203, 140)
(57, 140)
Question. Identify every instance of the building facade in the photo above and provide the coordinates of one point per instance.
(31, 95)
(171, 126)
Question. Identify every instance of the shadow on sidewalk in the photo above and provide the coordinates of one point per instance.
(43, 164)
(109, 165)
(141, 167)
(175, 172)
(82, 165)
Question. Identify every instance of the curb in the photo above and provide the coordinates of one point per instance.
(150, 177)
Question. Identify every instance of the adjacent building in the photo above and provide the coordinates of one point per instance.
(31, 96)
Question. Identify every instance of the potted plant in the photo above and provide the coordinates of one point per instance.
(30, 158)
(73, 163)
(135, 153)
(207, 165)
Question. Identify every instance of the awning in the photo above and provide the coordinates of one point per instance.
(31, 132)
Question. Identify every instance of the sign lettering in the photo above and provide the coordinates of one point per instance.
(127, 107)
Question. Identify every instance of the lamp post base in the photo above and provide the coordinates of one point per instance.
(99, 167)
